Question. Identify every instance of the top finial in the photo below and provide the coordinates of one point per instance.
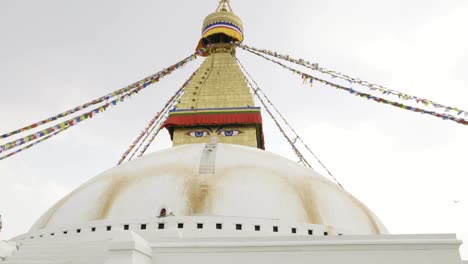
(224, 6)
(221, 26)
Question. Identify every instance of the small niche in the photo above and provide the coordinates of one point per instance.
(219, 226)
(293, 230)
(238, 227)
(126, 227)
(143, 227)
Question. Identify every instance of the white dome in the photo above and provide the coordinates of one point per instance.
(213, 180)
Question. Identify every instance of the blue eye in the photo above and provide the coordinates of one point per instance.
(229, 133)
(198, 133)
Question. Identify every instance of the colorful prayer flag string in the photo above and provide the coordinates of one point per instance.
(301, 157)
(173, 104)
(90, 114)
(162, 121)
(143, 82)
(257, 92)
(150, 127)
(309, 79)
(33, 143)
(371, 86)
(159, 127)
(69, 123)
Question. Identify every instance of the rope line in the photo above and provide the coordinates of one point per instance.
(65, 125)
(144, 132)
(143, 82)
(162, 121)
(255, 90)
(371, 86)
(160, 116)
(296, 151)
(297, 137)
(174, 102)
(33, 144)
(75, 120)
(309, 78)
(153, 136)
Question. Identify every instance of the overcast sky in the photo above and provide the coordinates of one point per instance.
(408, 168)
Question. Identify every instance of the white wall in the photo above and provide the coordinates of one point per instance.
(401, 249)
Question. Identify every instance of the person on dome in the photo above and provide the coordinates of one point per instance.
(163, 212)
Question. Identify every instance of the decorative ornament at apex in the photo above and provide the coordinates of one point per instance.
(221, 26)
(224, 6)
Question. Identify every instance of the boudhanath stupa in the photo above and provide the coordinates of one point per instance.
(217, 196)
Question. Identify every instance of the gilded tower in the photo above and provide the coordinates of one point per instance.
(217, 104)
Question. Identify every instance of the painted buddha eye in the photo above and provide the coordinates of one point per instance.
(198, 133)
(229, 133)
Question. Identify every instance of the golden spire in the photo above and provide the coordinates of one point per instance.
(217, 105)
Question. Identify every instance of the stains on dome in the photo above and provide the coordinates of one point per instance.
(245, 182)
